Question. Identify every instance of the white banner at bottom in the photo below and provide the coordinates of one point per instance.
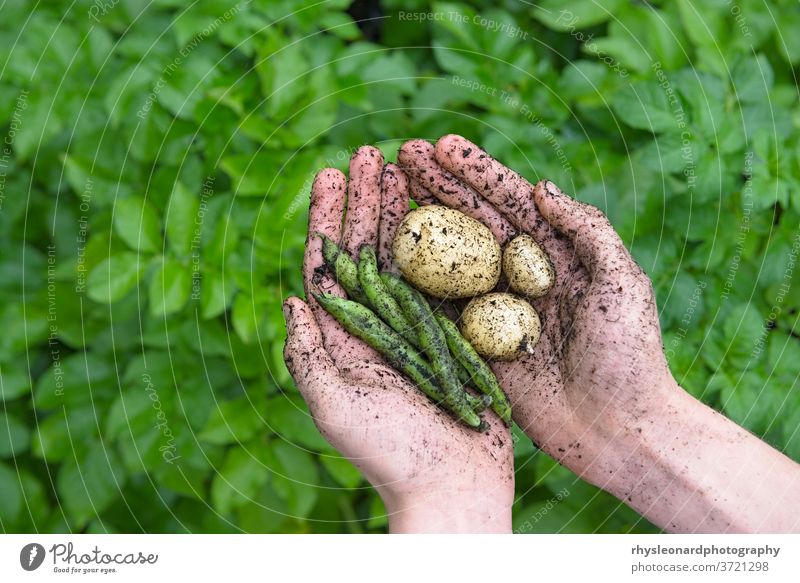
(350, 558)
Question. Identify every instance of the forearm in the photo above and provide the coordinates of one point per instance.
(451, 512)
(689, 469)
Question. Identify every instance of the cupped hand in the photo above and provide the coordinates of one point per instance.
(598, 372)
(433, 473)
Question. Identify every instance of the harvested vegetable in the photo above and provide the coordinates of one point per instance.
(501, 326)
(380, 298)
(481, 375)
(344, 269)
(416, 309)
(362, 323)
(527, 267)
(390, 312)
(445, 253)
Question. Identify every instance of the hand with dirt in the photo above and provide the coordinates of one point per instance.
(433, 474)
(597, 394)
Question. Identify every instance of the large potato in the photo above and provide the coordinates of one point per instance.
(501, 326)
(528, 267)
(445, 253)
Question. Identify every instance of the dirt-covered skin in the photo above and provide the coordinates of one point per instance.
(420, 194)
(433, 473)
(448, 189)
(601, 304)
(394, 206)
(597, 394)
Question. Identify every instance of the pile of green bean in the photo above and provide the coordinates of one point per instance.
(396, 320)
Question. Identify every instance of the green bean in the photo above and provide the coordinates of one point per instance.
(380, 298)
(362, 323)
(478, 404)
(391, 313)
(482, 376)
(344, 268)
(434, 343)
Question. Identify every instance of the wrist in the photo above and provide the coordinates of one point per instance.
(714, 476)
(455, 511)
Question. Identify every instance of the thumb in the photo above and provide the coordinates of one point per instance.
(594, 239)
(308, 362)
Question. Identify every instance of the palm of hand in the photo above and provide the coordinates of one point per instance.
(600, 351)
(400, 440)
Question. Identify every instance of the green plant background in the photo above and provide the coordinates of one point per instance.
(146, 145)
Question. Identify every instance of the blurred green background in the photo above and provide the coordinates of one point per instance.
(155, 165)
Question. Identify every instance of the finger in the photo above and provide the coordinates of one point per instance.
(394, 206)
(597, 245)
(310, 365)
(508, 192)
(416, 157)
(363, 200)
(325, 217)
(420, 194)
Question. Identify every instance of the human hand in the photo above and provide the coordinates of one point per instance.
(598, 370)
(597, 393)
(433, 473)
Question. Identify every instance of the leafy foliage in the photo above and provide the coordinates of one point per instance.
(154, 177)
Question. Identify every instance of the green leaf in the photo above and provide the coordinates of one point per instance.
(238, 481)
(169, 288)
(132, 412)
(76, 379)
(786, 38)
(182, 220)
(574, 14)
(11, 500)
(747, 401)
(704, 23)
(288, 416)
(253, 175)
(744, 331)
(246, 317)
(278, 63)
(113, 278)
(625, 50)
(223, 241)
(752, 79)
(267, 515)
(215, 294)
(295, 477)
(137, 223)
(553, 514)
(342, 470)
(14, 436)
(644, 105)
(63, 432)
(13, 383)
(232, 422)
(88, 486)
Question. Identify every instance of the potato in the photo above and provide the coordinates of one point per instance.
(527, 267)
(501, 326)
(445, 253)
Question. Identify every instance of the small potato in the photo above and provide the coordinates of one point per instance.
(501, 326)
(528, 267)
(446, 254)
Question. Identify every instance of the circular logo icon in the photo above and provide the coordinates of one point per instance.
(31, 556)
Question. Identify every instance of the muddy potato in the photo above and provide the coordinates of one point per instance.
(445, 253)
(527, 267)
(501, 326)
